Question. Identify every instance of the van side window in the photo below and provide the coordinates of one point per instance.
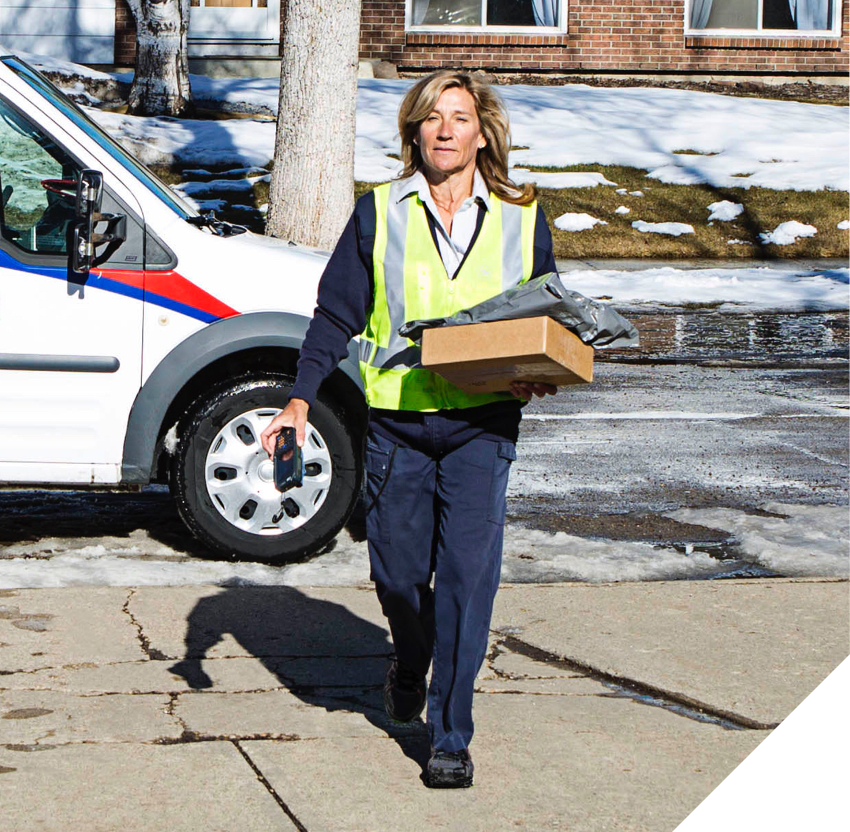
(38, 183)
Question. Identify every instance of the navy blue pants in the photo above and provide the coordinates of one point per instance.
(436, 487)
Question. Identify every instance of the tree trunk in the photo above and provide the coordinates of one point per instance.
(312, 187)
(161, 83)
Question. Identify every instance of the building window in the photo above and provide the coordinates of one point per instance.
(229, 21)
(504, 15)
(768, 17)
(233, 4)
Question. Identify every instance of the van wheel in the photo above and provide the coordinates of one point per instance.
(223, 480)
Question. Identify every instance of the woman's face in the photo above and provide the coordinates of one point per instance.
(450, 136)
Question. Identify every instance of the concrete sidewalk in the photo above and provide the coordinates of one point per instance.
(616, 706)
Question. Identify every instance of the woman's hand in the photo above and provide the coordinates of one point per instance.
(527, 389)
(294, 415)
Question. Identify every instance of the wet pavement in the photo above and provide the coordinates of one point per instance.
(766, 339)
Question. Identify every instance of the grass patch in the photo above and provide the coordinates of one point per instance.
(763, 211)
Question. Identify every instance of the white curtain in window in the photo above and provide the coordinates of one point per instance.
(810, 14)
(545, 12)
(700, 10)
(420, 9)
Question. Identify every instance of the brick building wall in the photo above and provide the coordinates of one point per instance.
(639, 36)
(604, 36)
(125, 35)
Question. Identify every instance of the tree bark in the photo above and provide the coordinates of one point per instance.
(161, 82)
(312, 186)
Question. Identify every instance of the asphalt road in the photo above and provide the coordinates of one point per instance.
(645, 439)
(712, 411)
(700, 418)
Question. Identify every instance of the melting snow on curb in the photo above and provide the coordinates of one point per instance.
(795, 540)
(798, 541)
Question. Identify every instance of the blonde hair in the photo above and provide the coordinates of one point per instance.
(492, 159)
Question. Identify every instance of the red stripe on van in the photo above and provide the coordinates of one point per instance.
(173, 286)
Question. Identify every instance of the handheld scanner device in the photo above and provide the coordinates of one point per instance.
(288, 462)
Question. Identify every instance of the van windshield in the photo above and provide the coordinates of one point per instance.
(59, 100)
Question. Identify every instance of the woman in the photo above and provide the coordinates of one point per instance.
(451, 232)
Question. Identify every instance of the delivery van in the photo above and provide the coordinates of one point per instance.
(142, 342)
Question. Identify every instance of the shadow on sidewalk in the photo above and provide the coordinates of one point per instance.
(322, 652)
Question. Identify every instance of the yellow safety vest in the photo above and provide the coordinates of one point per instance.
(411, 283)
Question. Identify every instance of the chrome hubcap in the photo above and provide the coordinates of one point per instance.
(240, 477)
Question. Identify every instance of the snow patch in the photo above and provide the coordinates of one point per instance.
(787, 233)
(562, 126)
(843, 225)
(674, 229)
(532, 555)
(635, 193)
(171, 440)
(347, 564)
(742, 289)
(558, 180)
(805, 541)
(622, 210)
(46, 63)
(577, 222)
(529, 556)
(725, 210)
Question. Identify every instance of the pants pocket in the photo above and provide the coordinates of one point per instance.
(497, 503)
(377, 473)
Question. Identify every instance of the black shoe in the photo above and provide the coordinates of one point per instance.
(404, 693)
(449, 770)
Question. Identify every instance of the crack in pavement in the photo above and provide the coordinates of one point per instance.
(151, 652)
(171, 713)
(644, 699)
(188, 738)
(677, 703)
(261, 777)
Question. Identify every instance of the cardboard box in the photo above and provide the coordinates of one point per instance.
(485, 358)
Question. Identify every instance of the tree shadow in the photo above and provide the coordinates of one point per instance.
(326, 655)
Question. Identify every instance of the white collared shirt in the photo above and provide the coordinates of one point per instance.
(452, 246)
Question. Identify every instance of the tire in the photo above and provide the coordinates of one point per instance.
(222, 478)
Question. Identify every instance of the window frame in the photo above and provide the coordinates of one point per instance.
(784, 34)
(80, 119)
(221, 23)
(54, 259)
(15, 250)
(485, 29)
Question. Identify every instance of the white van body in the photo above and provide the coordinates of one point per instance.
(95, 372)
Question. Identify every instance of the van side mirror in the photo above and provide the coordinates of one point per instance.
(89, 193)
(85, 239)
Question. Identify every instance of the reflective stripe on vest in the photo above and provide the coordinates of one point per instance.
(411, 283)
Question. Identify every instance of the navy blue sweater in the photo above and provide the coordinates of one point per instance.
(347, 287)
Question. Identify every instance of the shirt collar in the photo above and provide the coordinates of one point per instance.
(418, 184)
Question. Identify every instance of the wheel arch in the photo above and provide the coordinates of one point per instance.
(254, 342)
